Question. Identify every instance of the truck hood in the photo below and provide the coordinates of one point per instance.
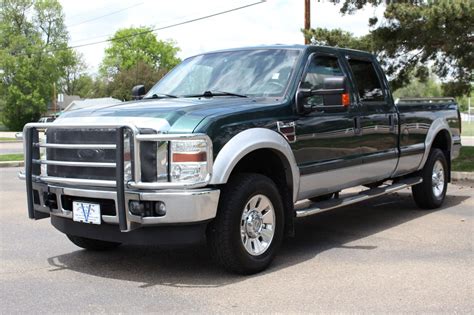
(181, 114)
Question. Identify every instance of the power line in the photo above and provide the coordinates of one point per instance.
(166, 27)
(155, 29)
(105, 15)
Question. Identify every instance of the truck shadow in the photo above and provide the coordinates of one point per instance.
(192, 266)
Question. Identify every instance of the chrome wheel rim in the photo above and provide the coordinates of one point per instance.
(437, 179)
(257, 225)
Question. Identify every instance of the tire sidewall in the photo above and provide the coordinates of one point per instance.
(437, 155)
(261, 186)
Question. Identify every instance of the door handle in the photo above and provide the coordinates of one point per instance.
(391, 122)
(357, 128)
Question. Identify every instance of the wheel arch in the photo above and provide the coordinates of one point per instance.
(256, 143)
(439, 136)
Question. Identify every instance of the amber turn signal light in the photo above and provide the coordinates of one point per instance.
(346, 100)
(189, 157)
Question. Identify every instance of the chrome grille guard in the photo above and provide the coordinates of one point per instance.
(32, 145)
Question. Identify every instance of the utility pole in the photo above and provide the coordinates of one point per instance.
(307, 19)
(54, 100)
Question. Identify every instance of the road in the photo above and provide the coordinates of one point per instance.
(11, 147)
(381, 256)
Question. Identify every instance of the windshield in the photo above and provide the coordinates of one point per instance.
(263, 72)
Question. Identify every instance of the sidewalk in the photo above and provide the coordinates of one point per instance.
(7, 134)
(467, 141)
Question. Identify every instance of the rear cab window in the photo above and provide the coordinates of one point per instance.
(368, 84)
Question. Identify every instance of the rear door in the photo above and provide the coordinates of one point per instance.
(378, 119)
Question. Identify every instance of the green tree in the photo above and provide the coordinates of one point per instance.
(418, 88)
(132, 45)
(76, 81)
(142, 73)
(339, 38)
(33, 56)
(417, 33)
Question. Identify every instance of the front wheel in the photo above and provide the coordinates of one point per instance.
(430, 194)
(248, 228)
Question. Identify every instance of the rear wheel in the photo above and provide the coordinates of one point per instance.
(248, 228)
(92, 244)
(430, 194)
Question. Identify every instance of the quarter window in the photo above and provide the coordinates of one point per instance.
(368, 83)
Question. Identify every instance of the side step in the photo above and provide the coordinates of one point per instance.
(317, 207)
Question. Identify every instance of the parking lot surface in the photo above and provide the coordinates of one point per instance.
(380, 256)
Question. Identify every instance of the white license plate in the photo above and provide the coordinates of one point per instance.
(86, 212)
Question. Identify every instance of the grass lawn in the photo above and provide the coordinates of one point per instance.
(468, 128)
(11, 157)
(7, 139)
(465, 161)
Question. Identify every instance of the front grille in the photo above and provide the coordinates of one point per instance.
(81, 136)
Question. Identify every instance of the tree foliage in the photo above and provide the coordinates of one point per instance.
(134, 57)
(33, 57)
(129, 46)
(414, 35)
(76, 80)
(339, 38)
(142, 73)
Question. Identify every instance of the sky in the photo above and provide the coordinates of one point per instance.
(271, 22)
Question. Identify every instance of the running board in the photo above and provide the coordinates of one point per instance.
(317, 207)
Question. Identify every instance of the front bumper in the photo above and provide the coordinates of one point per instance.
(182, 206)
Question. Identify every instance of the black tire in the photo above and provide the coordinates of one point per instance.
(322, 197)
(424, 193)
(225, 240)
(92, 244)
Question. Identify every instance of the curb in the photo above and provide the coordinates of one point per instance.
(466, 176)
(12, 164)
(11, 141)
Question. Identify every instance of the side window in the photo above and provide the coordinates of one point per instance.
(320, 67)
(367, 81)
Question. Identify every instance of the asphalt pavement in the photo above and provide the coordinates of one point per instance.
(380, 256)
(11, 147)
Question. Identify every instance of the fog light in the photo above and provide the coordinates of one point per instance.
(147, 208)
(160, 209)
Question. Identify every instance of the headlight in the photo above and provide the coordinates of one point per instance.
(189, 161)
(127, 156)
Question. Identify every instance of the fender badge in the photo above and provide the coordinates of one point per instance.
(288, 130)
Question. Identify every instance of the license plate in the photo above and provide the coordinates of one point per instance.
(86, 212)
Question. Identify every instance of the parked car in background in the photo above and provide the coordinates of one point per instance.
(46, 119)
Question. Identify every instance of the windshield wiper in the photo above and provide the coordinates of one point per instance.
(160, 95)
(216, 93)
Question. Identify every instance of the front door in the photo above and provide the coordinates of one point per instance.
(326, 148)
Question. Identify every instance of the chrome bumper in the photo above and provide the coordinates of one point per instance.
(182, 206)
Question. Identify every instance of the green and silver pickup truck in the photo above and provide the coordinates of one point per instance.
(232, 146)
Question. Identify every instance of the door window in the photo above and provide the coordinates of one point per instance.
(320, 68)
(368, 84)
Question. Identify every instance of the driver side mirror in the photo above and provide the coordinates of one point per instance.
(138, 91)
(334, 95)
